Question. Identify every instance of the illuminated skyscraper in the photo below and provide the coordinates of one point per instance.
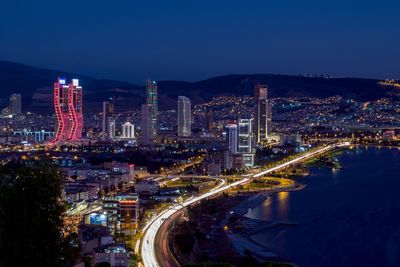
(15, 104)
(108, 119)
(263, 113)
(245, 145)
(68, 109)
(184, 116)
(152, 100)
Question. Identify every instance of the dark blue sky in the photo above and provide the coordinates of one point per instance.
(196, 39)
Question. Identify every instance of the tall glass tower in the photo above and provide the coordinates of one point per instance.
(152, 100)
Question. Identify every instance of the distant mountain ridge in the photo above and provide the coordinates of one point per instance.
(35, 85)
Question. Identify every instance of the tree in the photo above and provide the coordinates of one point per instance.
(31, 217)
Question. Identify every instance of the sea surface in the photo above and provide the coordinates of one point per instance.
(348, 217)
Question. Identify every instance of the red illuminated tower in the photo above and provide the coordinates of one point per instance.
(75, 110)
(68, 108)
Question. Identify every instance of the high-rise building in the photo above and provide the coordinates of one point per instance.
(263, 114)
(128, 131)
(245, 145)
(184, 116)
(108, 119)
(269, 118)
(15, 104)
(152, 101)
(68, 108)
(145, 126)
(111, 130)
(232, 138)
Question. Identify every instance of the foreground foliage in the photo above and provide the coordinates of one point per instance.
(31, 217)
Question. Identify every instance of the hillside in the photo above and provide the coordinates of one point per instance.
(35, 84)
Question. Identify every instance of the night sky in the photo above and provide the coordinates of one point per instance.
(196, 39)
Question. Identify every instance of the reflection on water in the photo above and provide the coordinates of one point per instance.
(283, 204)
(349, 217)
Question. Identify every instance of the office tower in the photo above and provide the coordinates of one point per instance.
(263, 112)
(269, 118)
(244, 136)
(108, 118)
(146, 127)
(232, 138)
(128, 131)
(184, 116)
(152, 101)
(68, 109)
(208, 120)
(15, 104)
(245, 141)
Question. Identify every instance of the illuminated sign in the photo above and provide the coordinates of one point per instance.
(62, 81)
(75, 82)
(99, 219)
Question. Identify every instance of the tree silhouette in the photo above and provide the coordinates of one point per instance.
(31, 217)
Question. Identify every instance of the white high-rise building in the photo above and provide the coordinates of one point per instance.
(232, 138)
(15, 104)
(245, 141)
(128, 131)
(111, 130)
(184, 116)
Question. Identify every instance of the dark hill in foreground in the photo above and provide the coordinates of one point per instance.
(35, 84)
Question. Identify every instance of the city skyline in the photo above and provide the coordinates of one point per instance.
(199, 133)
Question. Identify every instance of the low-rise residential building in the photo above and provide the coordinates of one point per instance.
(147, 186)
(116, 255)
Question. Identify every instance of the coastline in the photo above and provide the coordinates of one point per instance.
(242, 240)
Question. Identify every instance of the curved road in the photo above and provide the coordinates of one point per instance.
(164, 253)
(151, 229)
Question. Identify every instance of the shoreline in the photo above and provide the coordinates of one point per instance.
(242, 241)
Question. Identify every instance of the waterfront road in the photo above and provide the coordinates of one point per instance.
(150, 237)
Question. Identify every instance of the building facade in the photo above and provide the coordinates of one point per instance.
(263, 112)
(15, 104)
(122, 212)
(184, 116)
(128, 131)
(68, 108)
(152, 101)
(146, 126)
(108, 119)
(245, 142)
(232, 138)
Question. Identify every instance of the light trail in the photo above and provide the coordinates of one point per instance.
(151, 229)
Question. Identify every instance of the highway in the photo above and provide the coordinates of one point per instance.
(150, 230)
